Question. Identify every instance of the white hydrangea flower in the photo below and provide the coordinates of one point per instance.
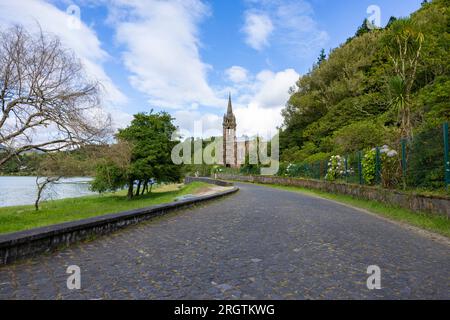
(392, 153)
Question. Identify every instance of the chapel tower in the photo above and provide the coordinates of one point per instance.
(229, 137)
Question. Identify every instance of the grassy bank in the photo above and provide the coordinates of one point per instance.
(435, 223)
(58, 211)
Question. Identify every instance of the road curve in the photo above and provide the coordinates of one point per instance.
(260, 243)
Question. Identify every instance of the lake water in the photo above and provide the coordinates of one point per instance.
(22, 190)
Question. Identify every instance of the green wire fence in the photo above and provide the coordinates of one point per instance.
(422, 162)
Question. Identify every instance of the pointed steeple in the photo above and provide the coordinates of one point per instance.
(230, 107)
(229, 120)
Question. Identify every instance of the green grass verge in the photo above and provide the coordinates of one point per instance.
(436, 223)
(52, 212)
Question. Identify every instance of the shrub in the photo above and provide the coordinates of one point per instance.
(293, 170)
(390, 167)
(321, 156)
(336, 168)
(360, 135)
(109, 177)
(369, 167)
(426, 159)
(282, 169)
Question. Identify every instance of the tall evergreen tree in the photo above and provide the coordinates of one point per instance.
(322, 57)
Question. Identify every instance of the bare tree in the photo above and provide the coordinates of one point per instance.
(57, 165)
(47, 102)
(41, 185)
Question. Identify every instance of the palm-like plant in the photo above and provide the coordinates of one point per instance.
(404, 46)
(397, 90)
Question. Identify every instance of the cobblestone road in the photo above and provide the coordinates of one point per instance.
(259, 243)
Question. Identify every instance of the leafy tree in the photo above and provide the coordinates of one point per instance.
(360, 136)
(149, 137)
(364, 28)
(391, 21)
(322, 57)
(109, 177)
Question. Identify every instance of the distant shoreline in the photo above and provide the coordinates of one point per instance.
(35, 175)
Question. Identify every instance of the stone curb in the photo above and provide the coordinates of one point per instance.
(28, 243)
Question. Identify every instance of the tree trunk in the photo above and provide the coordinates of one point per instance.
(138, 191)
(38, 198)
(41, 186)
(145, 187)
(130, 189)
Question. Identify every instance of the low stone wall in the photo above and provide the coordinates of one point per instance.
(28, 243)
(414, 202)
(221, 183)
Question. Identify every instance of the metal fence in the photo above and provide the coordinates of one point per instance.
(419, 163)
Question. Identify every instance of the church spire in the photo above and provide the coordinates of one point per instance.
(230, 107)
(229, 120)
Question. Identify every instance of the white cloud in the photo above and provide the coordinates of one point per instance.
(160, 47)
(272, 89)
(257, 29)
(162, 50)
(253, 120)
(294, 30)
(198, 124)
(237, 74)
(258, 105)
(33, 14)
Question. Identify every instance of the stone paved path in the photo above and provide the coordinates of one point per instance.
(259, 243)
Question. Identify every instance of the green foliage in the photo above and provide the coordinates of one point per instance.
(294, 170)
(435, 98)
(336, 168)
(390, 22)
(379, 86)
(361, 135)
(203, 170)
(426, 158)
(320, 156)
(295, 154)
(390, 169)
(391, 174)
(364, 28)
(303, 170)
(150, 134)
(282, 169)
(322, 57)
(250, 169)
(149, 155)
(109, 177)
(369, 167)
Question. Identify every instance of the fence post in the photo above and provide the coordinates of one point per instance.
(318, 171)
(360, 167)
(404, 164)
(377, 165)
(346, 168)
(446, 156)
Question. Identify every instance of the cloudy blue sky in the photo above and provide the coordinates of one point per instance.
(184, 56)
